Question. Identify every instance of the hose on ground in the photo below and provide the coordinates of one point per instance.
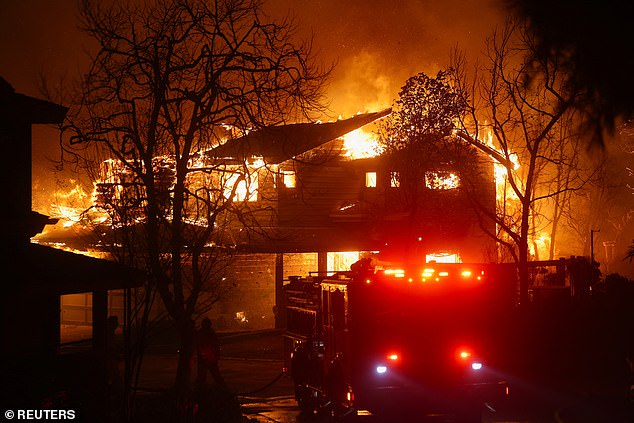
(271, 383)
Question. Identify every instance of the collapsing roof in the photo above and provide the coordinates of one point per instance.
(277, 144)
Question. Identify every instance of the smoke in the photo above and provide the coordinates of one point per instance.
(361, 85)
(378, 44)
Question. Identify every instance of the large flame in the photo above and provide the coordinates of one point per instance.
(504, 191)
(360, 144)
(539, 246)
(72, 205)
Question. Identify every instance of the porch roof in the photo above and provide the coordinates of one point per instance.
(39, 269)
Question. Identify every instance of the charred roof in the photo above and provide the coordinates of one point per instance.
(277, 144)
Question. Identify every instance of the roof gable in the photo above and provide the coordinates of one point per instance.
(280, 143)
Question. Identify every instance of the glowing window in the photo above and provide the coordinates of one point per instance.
(288, 179)
(370, 179)
(395, 180)
(441, 180)
(341, 260)
(443, 258)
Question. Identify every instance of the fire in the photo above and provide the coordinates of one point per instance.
(360, 144)
(539, 246)
(70, 206)
(246, 189)
(341, 260)
(504, 191)
(245, 178)
(441, 180)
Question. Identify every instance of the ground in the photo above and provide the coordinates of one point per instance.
(252, 365)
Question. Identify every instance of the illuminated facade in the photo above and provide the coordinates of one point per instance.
(325, 196)
(334, 197)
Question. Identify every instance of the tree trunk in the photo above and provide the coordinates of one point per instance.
(183, 388)
(522, 270)
(522, 249)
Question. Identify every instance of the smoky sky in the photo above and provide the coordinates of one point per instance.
(376, 44)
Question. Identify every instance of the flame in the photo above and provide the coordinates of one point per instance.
(442, 257)
(360, 144)
(247, 180)
(70, 206)
(341, 260)
(539, 245)
(441, 180)
(504, 191)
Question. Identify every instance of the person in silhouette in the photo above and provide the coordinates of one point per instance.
(207, 349)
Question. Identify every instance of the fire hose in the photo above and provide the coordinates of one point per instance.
(255, 391)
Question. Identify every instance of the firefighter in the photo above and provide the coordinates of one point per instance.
(362, 266)
(207, 349)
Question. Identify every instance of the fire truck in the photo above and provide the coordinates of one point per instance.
(389, 339)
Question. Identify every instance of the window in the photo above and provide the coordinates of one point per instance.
(341, 260)
(370, 179)
(395, 179)
(288, 179)
(443, 257)
(441, 180)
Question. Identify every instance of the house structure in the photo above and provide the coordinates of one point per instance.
(328, 209)
(321, 208)
(34, 372)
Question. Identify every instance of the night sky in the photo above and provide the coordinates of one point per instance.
(377, 45)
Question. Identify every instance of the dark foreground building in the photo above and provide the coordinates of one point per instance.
(34, 373)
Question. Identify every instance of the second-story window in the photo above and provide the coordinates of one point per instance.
(244, 187)
(395, 179)
(370, 179)
(288, 179)
(441, 180)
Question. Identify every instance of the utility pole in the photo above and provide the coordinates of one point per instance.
(592, 231)
(594, 276)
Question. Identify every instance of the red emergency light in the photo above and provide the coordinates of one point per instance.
(432, 273)
(391, 359)
(397, 273)
(466, 356)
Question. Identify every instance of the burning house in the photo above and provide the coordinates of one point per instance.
(328, 191)
(321, 195)
(332, 197)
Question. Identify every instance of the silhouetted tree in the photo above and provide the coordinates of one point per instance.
(527, 108)
(591, 42)
(419, 141)
(169, 77)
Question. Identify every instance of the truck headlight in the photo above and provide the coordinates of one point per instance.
(476, 365)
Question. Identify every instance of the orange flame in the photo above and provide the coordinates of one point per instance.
(360, 144)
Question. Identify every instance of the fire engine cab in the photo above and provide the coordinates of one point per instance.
(384, 339)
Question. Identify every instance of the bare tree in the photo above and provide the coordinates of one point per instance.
(606, 204)
(527, 107)
(168, 79)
